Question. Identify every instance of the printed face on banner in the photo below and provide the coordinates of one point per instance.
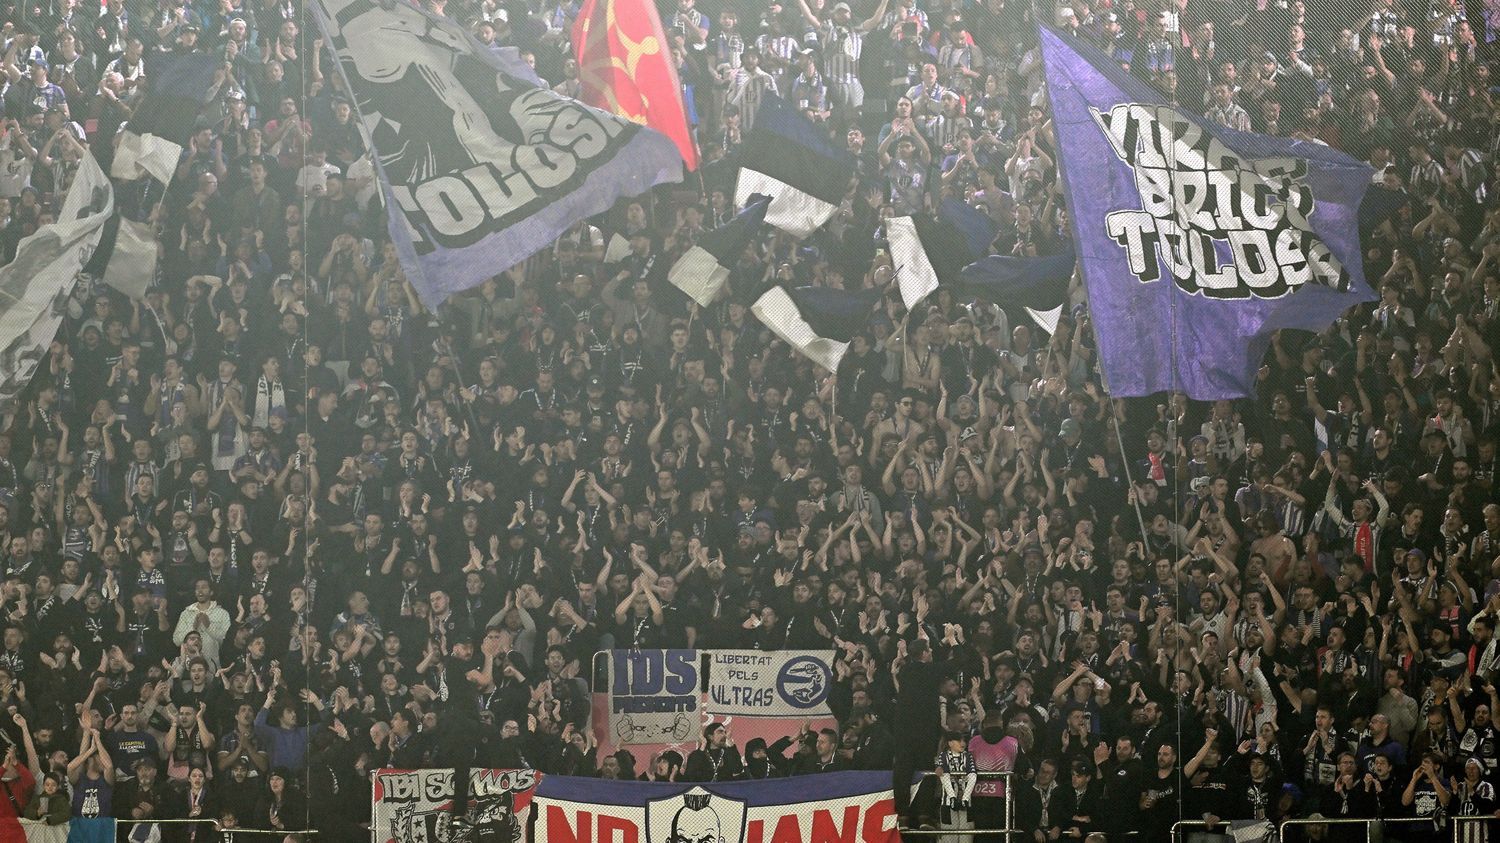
(696, 816)
(1225, 226)
(467, 150)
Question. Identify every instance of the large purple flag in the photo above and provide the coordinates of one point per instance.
(481, 167)
(1197, 242)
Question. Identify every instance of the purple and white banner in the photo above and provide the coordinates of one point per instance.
(1196, 242)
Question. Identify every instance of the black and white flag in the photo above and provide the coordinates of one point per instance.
(704, 269)
(34, 288)
(789, 158)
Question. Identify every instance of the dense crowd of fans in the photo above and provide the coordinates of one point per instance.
(278, 524)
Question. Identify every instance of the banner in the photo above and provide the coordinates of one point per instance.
(416, 806)
(625, 66)
(35, 287)
(653, 696)
(480, 167)
(850, 806)
(786, 683)
(1196, 242)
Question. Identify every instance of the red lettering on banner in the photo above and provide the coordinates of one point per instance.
(617, 830)
(824, 831)
(787, 830)
(876, 816)
(560, 831)
(755, 831)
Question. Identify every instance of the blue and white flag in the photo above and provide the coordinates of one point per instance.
(480, 166)
(1039, 285)
(925, 252)
(817, 321)
(1197, 243)
(703, 270)
(790, 159)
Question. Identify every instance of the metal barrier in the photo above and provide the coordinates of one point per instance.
(1185, 824)
(1370, 824)
(1010, 806)
(214, 832)
(1281, 830)
(1478, 835)
(228, 835)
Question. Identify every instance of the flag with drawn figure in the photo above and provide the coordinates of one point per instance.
(790, 159)
(36, 286)
(819, 322)
(625, 67)
(704, 269)
(480, 166)
(1196, 242)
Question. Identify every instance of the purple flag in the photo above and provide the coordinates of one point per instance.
(1197, 242)
(480, 166)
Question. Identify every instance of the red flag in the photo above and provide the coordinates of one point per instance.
(625, 67)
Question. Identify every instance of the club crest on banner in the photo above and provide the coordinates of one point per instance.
(695, 816)
(803, 682)
(1223, 225)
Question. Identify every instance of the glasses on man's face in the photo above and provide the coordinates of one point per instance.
(906, 402)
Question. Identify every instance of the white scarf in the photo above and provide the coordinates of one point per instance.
(268, 395)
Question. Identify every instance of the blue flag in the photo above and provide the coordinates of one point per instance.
(480, 167)
(1197, 242)
(978, 230)
(1037, 283)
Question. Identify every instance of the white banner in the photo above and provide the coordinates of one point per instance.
(788, 683)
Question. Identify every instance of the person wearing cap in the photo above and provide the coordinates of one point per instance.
(143, 797)
(748, 86)
(32, 89)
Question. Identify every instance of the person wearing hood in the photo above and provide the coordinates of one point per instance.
(994, 751)
(667, 766)
(760, 763)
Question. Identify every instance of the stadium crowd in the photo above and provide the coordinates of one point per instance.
(277, 524)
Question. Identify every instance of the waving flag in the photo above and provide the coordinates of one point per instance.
(1197, 242)
(35, 287)
(704, 269)
(817, 321)
(480, 167)
(1040, 285)
(625, 67)
(791, 160)
(926, 252)
(177, 88)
